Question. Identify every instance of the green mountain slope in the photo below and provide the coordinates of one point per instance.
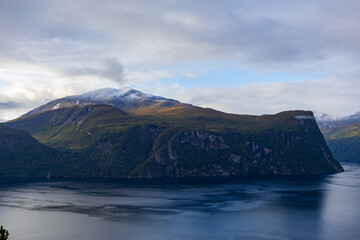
(343, 137)
(23, 156)
(180, 141)
(345, 143)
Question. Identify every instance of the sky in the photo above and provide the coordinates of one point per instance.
(238, 56)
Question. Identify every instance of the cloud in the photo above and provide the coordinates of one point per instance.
(50, 49)
(321, 95)
(268, 35)
(109, 68)
(113, 70)
(8, 105)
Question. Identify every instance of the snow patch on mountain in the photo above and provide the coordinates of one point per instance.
(323, 117)
(326, 122)
(124, 98)
(123, 94)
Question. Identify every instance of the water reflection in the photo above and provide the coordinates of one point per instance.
(303, 208)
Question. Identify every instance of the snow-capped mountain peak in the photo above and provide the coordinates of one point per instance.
(322, 117)
(124, 98)
(124, 94)
(326, 122)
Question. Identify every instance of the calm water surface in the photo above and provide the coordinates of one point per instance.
(313, 208)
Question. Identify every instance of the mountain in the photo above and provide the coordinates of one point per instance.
(126, 99)
(330, 124)
(107, 134)
(23, 156)
(342, 136)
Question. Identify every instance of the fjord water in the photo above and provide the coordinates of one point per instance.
(322, 207)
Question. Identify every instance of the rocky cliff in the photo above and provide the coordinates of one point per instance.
(203, 153)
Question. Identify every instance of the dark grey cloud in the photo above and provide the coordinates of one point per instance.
(109, 68)
(261, 34)
(8, 105)
(113, 70)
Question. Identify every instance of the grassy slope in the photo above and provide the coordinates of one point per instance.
(23, 156)
(108, 142)
(77, 128)
(345, 143)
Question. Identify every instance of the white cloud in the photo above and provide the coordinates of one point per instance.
(321, 95)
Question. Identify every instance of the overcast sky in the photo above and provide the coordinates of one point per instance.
(237, 56)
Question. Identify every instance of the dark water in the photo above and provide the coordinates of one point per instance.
(314, 208)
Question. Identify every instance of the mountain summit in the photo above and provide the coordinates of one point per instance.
(124, 94)
(124, 98)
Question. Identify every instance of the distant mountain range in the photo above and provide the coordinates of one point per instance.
(124, 133)
(342, 135)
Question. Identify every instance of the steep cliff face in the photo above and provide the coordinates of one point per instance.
(203, 153)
